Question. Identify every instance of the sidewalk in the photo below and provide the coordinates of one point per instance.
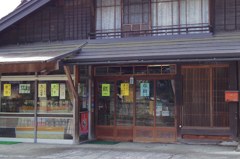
(124, 150)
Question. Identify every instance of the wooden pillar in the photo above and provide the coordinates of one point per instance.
(179, 98)
(90, 137)
(75, 103)
(35, 108)
(233, 107)
(238, 108)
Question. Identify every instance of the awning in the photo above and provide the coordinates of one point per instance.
(179, 48)
(36, 57)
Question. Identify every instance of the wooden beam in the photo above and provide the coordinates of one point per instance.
(70, 81)
(29, 67)
(75, 104)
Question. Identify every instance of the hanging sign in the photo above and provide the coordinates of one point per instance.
(62, 91)
(42, 90)
(125, 89)
(24, 88)
(231, 96)
(105, 90)
(145, 89)
(54, 90)
(7, 90)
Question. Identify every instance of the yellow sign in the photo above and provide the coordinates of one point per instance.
(7, 90)
(54, 90)
(42, 90)
(105, 90)
(125, 89)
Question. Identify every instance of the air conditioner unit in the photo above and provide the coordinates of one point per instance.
(131, 30)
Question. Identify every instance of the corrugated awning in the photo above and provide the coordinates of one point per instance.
(36, 55)
(198, 47)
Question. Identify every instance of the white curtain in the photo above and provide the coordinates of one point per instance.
(108, 15)
(165, 14)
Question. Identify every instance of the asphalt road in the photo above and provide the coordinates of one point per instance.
(118, 151)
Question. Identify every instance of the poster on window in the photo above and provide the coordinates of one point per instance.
(42, 90)
(145, 89)
(105, 90)
(62, 91)
(54, 90)
(24, 88)
(125, 89)
(84, 123)
(7, 90)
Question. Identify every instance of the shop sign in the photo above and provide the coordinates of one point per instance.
(62, 91)
(7, 90)
(145, 89)
(125, 89)
(105, 90)
(231, 96)
(84, 123)
(24, 88)
(54, 90)
(42, 90)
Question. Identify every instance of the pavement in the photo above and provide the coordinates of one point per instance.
(123, 150)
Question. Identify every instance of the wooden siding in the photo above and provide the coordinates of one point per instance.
(227, 15)
(58, 20)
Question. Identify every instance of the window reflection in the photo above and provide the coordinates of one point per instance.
(17, 97)
(105, 103)
(54, 97)
(124, 105)
(144, 103)
(165, 103)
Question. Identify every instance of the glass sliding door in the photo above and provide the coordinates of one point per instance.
(165, 103)
(105, 103)
(124, 103)
(144, 103)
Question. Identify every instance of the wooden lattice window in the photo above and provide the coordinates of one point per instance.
(203, 96)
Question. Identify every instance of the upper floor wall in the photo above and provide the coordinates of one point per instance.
(56, 21)
(81, 19)
(227, 15)
(121, 18)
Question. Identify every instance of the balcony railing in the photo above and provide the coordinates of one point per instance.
(155, 31)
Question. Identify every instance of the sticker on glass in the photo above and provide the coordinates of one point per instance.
(145, 89)
(62, 91)
(105, 90)
(125, 89)
(54, 90)
(24, 88)
(42, 90)
(7, 90)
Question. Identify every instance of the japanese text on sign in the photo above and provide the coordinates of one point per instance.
(144, 87)
(7, 90)
(42, 90)
(105, 90)
(62, 91)
(54, 90)
(125, 89)
(24, 88)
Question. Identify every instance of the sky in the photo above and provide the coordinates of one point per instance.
(7, 6)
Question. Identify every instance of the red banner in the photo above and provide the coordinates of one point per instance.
(84, 123)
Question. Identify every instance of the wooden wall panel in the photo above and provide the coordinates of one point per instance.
(58, 20)
(227, 15)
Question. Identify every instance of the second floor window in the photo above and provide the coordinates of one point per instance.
(136, 11)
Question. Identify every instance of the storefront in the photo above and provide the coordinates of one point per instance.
(136, 103)
(38, 100)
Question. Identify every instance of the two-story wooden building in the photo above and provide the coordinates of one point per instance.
(143, 70)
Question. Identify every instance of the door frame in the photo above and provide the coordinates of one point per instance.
(112, 131)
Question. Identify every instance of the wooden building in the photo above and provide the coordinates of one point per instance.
(125, 70)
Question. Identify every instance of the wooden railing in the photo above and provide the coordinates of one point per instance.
(155, 31)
